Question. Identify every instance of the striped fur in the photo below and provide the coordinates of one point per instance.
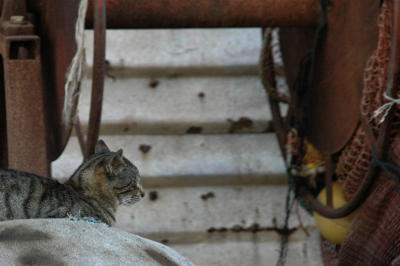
(101, 183)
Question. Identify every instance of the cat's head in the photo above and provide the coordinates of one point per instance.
(108, 173)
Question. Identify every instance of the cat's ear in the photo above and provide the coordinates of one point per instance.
(119, 152)
(114, 162)
(101, 147)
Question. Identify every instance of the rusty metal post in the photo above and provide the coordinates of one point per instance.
(56, 28)
(146, 14)
(99, 69)
(25, 144)
(24, 94)
(3, 121)
(328, 179)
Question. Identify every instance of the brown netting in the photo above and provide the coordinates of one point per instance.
(330, 252)
(353, 164)
(355, 159)
(374, 236)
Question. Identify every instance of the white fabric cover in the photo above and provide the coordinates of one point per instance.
(78, 242)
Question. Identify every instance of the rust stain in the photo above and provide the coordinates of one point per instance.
(144, 148)
(242, 123)
(254, 228)
(194, 130)
(153, 195)
(207, 196)
(154, 83)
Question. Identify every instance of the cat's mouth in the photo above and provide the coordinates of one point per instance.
(141, 192)
(127, 201)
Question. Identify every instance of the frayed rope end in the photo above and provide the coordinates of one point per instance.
(384, 109)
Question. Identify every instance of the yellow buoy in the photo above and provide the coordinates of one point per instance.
(334, 230)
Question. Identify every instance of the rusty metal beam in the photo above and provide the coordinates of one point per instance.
(147, 14)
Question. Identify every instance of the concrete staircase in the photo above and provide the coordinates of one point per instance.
(189, 110)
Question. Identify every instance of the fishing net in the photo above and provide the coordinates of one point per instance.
(354, 161)
(374, 235)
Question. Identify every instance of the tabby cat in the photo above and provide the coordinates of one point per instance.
(103, 181)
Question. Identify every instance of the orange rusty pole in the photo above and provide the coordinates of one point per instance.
(147, 14)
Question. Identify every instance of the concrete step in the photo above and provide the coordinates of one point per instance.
(181, 106)
(205, 210)
(235, 225)
(191, 159)
(181, 81)
(247, 249)
(179, 48)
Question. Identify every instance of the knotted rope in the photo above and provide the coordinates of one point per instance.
(384, 109)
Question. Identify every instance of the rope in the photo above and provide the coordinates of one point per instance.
(290, 200)
(76, 69)
(302, 92)
(391, 169)
(386, 107)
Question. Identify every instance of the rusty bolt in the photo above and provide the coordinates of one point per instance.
(17, 19)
